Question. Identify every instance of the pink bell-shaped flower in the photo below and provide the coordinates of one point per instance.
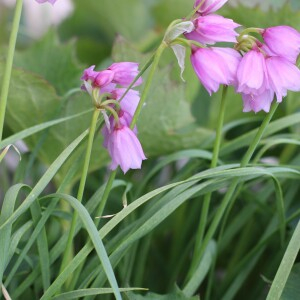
(283, 41)
(213, 28)
(283, 76)
(124, 149)
(210, 68)
(252, 74)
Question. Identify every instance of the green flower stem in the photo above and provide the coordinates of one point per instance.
(157, 56)
(92, 131)
(9, 63)
(226, 200)
(214, 162)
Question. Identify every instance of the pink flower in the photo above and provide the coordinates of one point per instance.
(103, 78)
(209, 6)
(210, 68)
(43, 1)
(130, 101)
(252, 74)
(258, 102)
(125, 72)
(283, 76)
(232, 60)
(89, 74)
(123, 146)
(213, 28)
(283, 41)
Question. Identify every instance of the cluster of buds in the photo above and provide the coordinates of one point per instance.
(108, 89)
(259, 69)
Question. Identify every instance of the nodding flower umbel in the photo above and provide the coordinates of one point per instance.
(120, 141)
(269, 70)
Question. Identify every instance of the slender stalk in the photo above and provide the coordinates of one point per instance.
(68, 250)
(226, 200)
(9, 63)
(157, 56)
(214, 162)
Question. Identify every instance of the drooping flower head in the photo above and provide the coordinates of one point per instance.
(211, 66)
(107, 88)
(264, 73)
(283, 41)
(209, 6)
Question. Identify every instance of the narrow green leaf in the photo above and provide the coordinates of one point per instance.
(97, 242)
(46, 178)
(285, 267)
(201, 271)
(37, 128)
(42, 244)
(92, 292)
(5, 232)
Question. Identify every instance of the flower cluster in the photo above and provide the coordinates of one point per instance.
(259, 69)
(111, 85)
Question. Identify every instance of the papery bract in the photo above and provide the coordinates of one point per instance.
(209, 6)
(252, 74)
(283, 41)
(210, 68)
(125, 72)
(258, 102)
(283, 76)
(213, 28)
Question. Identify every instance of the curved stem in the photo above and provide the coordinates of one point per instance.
(9, 63)
(214, 162)
(92, 130)
(230, 192)
(157, 56)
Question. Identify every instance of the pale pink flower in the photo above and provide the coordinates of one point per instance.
(258, 102)
(123, 145)
(213, 28)
(130, 101)
(125, 72)
(283, 41)
(232, 60)
(283, 76)
(252, 77)
(210, 68)
(103, 78)
(209, 6)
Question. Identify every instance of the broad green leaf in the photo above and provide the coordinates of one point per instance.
(103, 20)
(53, 61)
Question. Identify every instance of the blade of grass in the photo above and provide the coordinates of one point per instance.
(285, 267)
